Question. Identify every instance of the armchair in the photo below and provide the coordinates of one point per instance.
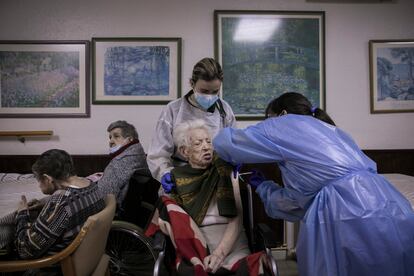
(85, 255)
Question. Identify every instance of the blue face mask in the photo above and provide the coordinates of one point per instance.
(114, 148)
(205, 100)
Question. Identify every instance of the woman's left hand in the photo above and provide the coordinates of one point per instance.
(213, 262)
(23, 204)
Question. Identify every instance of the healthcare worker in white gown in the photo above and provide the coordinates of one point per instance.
(354, 222)
(202, 102)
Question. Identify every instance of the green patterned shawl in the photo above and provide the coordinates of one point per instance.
(196, 187)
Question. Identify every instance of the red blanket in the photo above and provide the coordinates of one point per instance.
(190, 245)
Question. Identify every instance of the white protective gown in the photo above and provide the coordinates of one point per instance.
(162, 146)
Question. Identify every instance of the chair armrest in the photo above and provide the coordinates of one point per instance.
(265, 234)
(150, 207)
(159, 244)
(20, 265)
(159, 241)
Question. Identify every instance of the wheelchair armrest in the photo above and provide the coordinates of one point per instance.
(159, 244)
(159, 241)
(267, 235)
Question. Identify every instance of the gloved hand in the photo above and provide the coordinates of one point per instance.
(236, 169)
(256, 178)
(167, 183)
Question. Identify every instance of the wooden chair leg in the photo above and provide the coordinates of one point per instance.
(67, 267)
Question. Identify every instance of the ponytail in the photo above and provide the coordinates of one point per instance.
(323, 116)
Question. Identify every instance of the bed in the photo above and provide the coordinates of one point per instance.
(404, 184)
(13, 186)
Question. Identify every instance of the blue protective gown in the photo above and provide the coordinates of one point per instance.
(354, 222)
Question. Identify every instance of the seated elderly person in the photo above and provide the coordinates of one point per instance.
(72, 200)
(208, 192)
(127, 156)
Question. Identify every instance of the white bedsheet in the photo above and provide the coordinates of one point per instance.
(404, 183)
(13, 186)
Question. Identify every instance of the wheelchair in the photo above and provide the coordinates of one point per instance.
(260, 238)
(130, 251)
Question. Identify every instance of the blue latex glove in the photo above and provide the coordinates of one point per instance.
(256, 178)
(236, 169)
(167, 183)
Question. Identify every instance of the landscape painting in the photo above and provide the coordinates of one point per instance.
(267, 53)
(392, 76)
(43, 79)
(136, 71)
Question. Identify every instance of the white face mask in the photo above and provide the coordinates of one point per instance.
(114, 148)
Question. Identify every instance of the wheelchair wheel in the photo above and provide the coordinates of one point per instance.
(129, 250)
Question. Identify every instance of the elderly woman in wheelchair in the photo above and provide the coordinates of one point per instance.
(127, 156)
(203, 217)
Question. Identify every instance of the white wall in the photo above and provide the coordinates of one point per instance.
(349, 27)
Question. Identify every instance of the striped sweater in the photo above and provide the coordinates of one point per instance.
(59, 221)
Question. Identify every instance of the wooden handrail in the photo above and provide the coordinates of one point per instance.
(22, 134)
(26, 133)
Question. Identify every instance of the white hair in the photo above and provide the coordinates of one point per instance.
(181, 133)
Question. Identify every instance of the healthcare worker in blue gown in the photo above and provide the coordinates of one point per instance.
(354, 222)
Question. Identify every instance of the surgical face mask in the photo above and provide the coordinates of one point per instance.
(205, 100)
(114, 148)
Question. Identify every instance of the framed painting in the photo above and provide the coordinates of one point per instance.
(44, 79)
(391, 75)
(136, 70)
(267, 53)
